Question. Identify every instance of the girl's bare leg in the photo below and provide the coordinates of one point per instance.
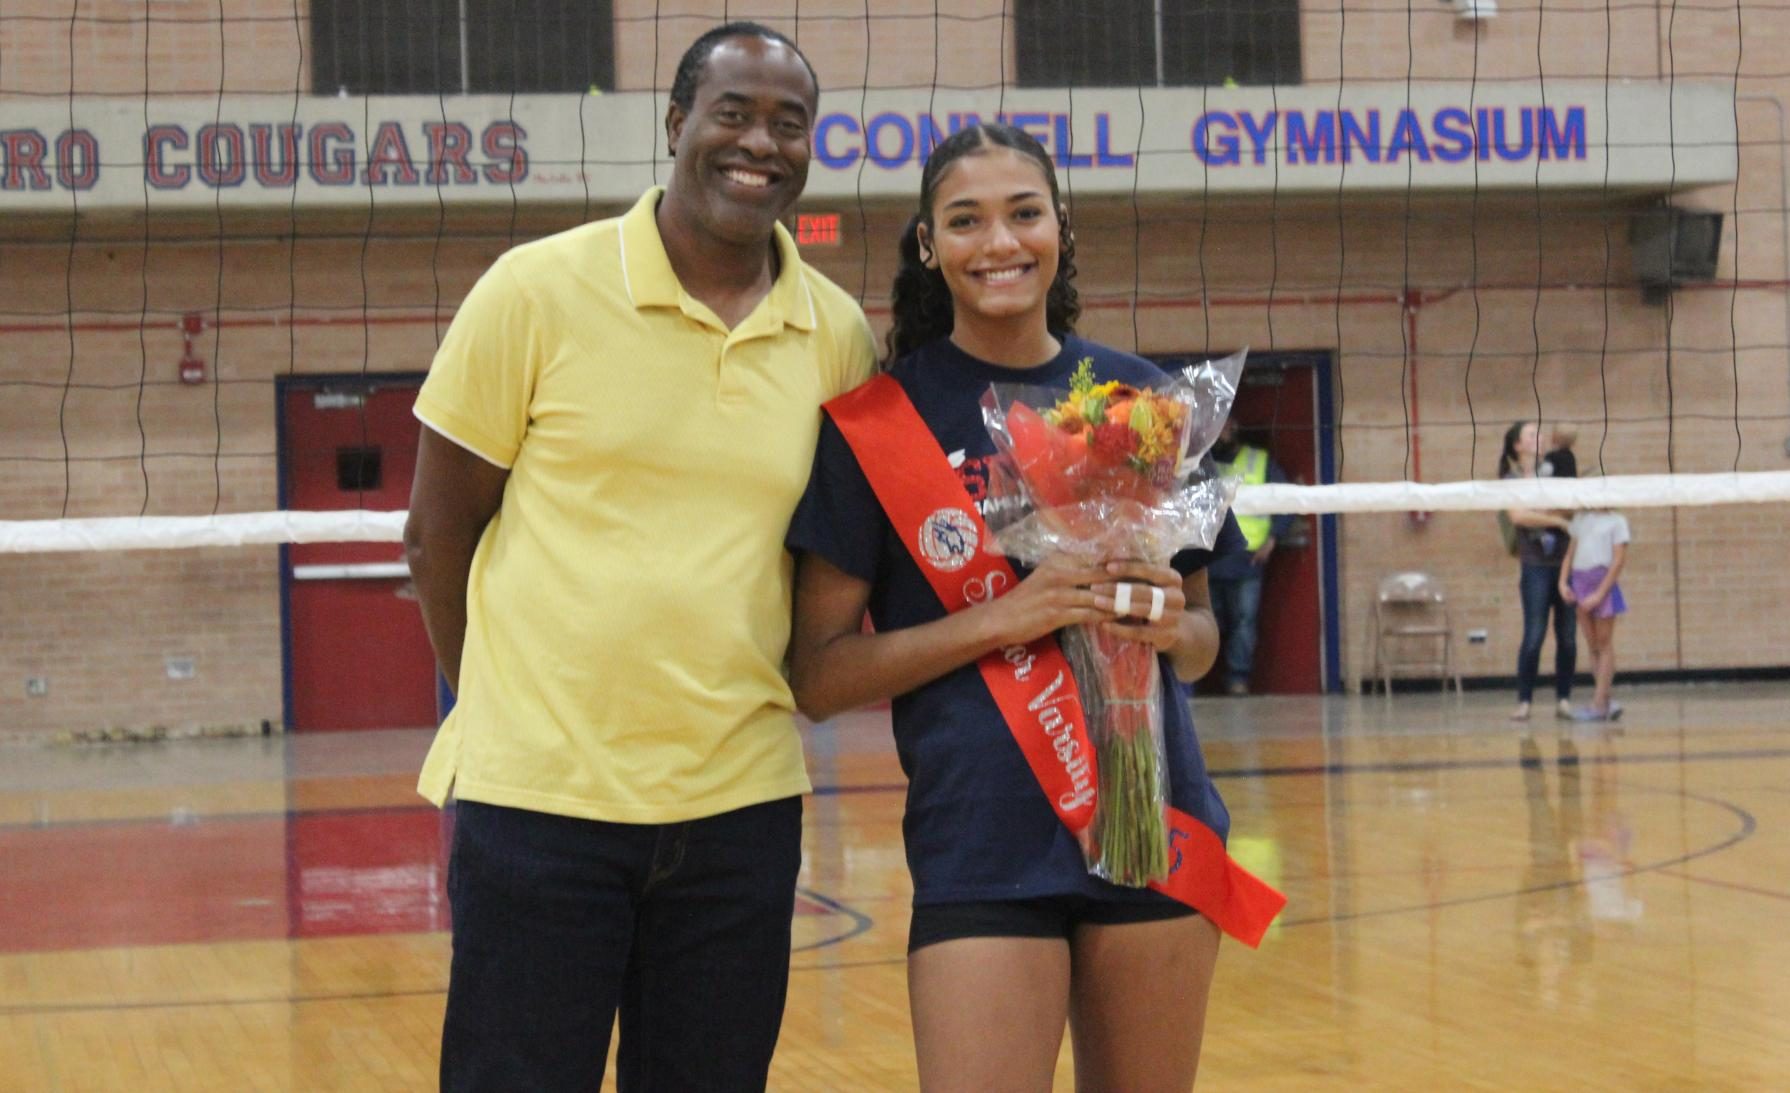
(1138, 1006)
(989, 1013)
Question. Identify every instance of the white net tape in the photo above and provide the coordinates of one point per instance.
(170, 532)
(1625, 491)
(361, 526)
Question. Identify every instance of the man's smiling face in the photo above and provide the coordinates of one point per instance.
(742, 149)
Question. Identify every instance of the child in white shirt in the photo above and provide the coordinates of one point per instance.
(1588, 573)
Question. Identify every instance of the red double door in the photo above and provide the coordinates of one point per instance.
(1276, 404)
(357, 654)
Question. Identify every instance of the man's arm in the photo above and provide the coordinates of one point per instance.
(453, 496)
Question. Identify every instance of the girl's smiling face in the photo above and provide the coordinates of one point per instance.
(995, 235)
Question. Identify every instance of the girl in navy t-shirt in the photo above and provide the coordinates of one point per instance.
(1011, 936)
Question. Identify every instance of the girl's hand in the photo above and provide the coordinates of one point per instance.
(1592, 602)
(1057, 594)
(1144, 581)
(1566, 593)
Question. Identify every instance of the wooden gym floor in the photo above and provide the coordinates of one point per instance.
(1467, 910)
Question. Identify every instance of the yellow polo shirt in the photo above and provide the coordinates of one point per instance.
(629, 606)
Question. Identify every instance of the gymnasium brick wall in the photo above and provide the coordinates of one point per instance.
(1706, 585)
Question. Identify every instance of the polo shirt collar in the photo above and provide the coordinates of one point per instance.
(650, 282)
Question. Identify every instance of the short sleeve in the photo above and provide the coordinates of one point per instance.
(1621, 531)
(482, 380)
(848, 353)
(839, 517)
(857, 354)
(1229, 541)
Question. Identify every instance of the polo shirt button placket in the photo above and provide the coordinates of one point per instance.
(729, 388)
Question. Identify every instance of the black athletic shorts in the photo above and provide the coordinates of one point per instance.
(1044, 916)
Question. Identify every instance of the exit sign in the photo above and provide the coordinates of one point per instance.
(817, 229)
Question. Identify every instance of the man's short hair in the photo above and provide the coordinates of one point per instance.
(696, 58)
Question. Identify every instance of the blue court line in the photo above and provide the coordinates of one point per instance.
(206, 1003)
(1748, 826)
(1299, 771)
(199, 819)
(1419, 766)
(1408, 767)
(860, 921)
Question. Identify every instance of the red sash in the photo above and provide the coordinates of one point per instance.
(1031, 684)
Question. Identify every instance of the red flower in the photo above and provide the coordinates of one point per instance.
(1114, 442)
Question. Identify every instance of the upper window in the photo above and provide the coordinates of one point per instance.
(1157, 43)
(453, 47)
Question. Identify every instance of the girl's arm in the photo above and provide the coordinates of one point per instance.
(1618, 555)
(1565, 582)
(834, 666)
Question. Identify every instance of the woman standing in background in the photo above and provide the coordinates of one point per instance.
(1541, 541)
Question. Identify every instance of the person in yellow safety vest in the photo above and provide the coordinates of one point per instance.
(1236, 579)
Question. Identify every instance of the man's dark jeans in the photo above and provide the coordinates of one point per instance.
(560, 923)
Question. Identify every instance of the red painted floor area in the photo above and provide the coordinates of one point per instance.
(84, 886)
(323, 874)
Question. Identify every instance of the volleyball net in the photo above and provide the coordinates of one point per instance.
(233, 231)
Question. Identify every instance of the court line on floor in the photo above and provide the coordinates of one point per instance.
(1748, 827)
(1301, 770)
(1418, 766)
(191, 819)
(1728, 884)
(861, 922)
(56, 1009)
(1415, 766)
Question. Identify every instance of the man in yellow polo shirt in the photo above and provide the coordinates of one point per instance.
(619, 424)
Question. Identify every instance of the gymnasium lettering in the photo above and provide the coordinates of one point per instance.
(1451, 135)
(605, 150)
(892, 141)
(273, 156)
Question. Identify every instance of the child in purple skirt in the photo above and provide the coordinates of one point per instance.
(1588, 575)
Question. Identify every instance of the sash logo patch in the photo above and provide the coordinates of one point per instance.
(948, 539)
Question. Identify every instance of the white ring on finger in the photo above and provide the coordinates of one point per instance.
(1122, 599)
(1157, 600)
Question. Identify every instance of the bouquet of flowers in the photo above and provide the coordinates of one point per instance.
(1106, 472)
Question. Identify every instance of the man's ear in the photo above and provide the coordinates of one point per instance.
(674, 127)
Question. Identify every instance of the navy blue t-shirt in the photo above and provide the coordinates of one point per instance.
(977, 825)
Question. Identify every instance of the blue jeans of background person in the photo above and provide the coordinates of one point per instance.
(560, 922)
(1235, 604)
(1541, 594)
